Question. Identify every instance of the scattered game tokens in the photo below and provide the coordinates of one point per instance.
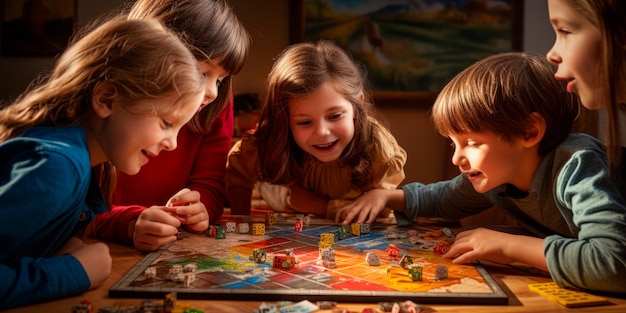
(567, 297)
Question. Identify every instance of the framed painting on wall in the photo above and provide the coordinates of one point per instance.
(36, 28)
(411, 49)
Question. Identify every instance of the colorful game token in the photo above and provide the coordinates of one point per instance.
(567, 297)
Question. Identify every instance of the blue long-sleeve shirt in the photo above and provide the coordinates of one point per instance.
(571, 203)
(47, 194)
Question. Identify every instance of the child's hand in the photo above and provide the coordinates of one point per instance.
(155, 227)
(190, 210)
(364, 208)
(481, 244)
(96, 261)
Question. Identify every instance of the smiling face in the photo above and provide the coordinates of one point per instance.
(576, 51)
(322, 123)
(129, 138)
(488, 161)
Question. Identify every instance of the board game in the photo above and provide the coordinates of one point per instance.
(286, 258)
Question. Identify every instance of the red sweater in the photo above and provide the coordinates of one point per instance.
(198, 163)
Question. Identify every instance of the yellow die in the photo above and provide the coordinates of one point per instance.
(258, 229)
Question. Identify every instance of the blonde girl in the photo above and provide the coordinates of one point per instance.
(115, 98)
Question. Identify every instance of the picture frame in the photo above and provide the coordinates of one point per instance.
(36, 28)
(408, 51)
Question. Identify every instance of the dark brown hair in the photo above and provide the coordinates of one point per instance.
(213, 33)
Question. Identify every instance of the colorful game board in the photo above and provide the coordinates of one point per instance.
(226, 269)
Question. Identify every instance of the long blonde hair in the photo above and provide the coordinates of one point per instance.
(140, 58)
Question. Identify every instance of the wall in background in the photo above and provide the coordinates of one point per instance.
(268, 25)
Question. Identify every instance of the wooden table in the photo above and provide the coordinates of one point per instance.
(515, 283)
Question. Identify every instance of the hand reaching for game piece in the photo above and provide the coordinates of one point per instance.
(158, 225)
(364, 209)
(190, 210)
(155, 227)
(494, 246)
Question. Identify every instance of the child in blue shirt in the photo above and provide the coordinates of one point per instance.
(115, 98)
(510, 124)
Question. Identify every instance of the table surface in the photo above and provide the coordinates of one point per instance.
(514, 282)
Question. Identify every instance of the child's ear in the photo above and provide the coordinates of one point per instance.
(102, 98)
(535, 130)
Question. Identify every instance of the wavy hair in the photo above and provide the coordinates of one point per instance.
(299, 71)
(499, 93)
(141, 59)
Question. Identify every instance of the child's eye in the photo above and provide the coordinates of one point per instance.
(563, 31)
(303, 123)
(166, 124)
(335, 116)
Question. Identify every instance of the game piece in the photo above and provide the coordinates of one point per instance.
(406, 261)
(243, 228)
(441, 272)
(393, 251)
(258, 229)
(355, 229)
(442, 247)
(188, 278)
(386, 306)
(83, 307)
(270, 218)
(258, 256)
(365, 228)
(220, 233)
(415, 271)
(567, 297)
(372, 259)
(306, 220)
(406, 307)
(231, 226)
(190, 268)
(169, 302)
(283, 262)
(341, 233)
(298, 225)
(328, 238)
(448, 232)
(328, 258)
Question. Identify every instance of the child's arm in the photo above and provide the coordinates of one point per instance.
(306, 201)
(370, 204)
(28, 280)
(498, 247)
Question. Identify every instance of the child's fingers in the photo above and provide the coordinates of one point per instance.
(176, 198)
